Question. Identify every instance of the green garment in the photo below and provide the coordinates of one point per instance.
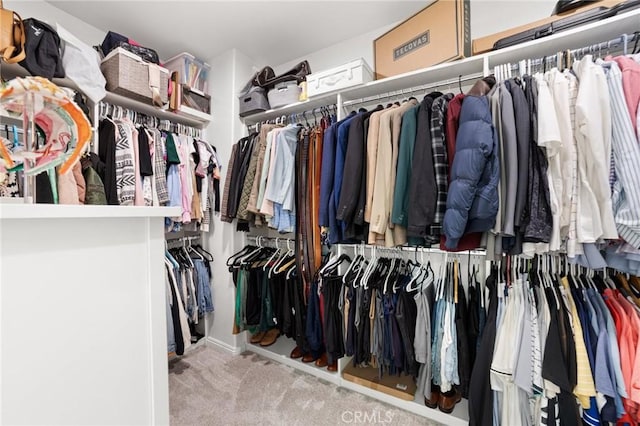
(399, 212)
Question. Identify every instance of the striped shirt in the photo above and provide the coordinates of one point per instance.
(573, 247)
(626, 152)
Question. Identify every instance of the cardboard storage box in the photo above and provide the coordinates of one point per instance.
(438, 33)
(343, 76)
(485, 44)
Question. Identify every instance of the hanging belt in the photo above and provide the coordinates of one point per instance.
(304, 208)
(316, 154)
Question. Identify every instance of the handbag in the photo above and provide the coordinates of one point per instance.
(262, 77)
(42, 50)
(298, 74)
(11, 36)
(113, 40)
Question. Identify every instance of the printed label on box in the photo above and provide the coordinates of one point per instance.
(408, 47)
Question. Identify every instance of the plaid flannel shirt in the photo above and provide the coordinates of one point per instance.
(440, 162)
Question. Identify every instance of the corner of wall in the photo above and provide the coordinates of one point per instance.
(229, 72)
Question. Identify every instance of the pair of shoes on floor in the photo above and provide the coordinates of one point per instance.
(445, 401)
(323, 361)
(320, 362)
(265, 338)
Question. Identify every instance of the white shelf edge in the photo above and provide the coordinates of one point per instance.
(58, 211)
(584, 35)
(421, 76)
(114, 98)
(279, 352)
(452, 419)
(312, 102)
(572, 38)
(189, 112)
(15, 70)
(283, 358)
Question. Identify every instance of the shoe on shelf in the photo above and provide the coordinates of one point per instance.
(256, 337)
(296, 353)
(308, 357)
(270, 337)
(322, 361)
(432, 401)
(333, 367)
(448, 401)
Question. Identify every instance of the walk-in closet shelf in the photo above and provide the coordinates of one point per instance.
(446, 77)
(298, 107)
(192, 118)
(280, 351)
(51, 211)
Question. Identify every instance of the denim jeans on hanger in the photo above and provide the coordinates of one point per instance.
(205, 298)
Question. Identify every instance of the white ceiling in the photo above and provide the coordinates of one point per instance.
(269, 32)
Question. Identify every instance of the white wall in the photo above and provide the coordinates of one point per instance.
(50, 14)
(229, 72)
(484, 21)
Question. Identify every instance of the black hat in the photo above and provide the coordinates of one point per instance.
(42, 47)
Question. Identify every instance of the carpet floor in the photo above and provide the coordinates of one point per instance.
(212, 387)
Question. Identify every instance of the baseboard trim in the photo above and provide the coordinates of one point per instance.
(225, 346)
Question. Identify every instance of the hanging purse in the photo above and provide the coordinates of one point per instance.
(11, 36)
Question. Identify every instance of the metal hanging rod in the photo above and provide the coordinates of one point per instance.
(403, 93)
(298, 117)
(118, 112)
(182, 241)
(565, 58)
(410, 250)
(260, 240)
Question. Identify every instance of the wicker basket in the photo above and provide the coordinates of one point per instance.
(128, 75)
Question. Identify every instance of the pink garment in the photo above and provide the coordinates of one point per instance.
(182, 147)
(633, 388)
(631, 85)
(139, 200)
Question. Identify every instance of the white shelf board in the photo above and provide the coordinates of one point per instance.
(11, 120)
(58, 211)
(458, 417)
(280, 351)
(582, 36)
(195, 120)
(10, 71)
(435, 74)
(298, 107)
(123, 101)
(189, 112)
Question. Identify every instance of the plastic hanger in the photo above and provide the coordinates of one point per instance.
(414, 278)
(208, 256)
(273, 256)
(280, 261)
(290, 272)
(357, 281)
(192, 250)
(373, 263)
(231, 260)
(356, 261)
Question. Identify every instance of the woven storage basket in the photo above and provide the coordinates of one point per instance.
(128, 75)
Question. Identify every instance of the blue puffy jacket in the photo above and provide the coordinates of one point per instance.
(472, 200)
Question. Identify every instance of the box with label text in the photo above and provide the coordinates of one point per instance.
(438, 33)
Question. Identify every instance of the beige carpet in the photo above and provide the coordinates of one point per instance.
(212, 387)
